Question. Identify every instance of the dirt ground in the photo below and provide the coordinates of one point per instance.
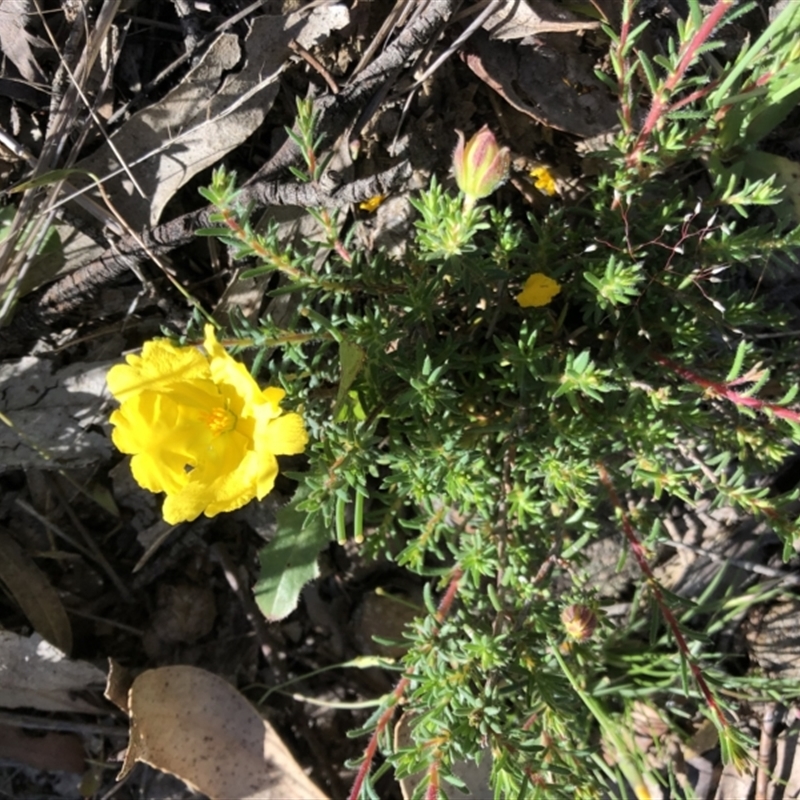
(87, 563)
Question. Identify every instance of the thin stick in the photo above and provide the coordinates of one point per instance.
(314, 63)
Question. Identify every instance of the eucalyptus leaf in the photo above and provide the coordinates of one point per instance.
(289, 561)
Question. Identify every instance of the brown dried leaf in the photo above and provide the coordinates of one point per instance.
(210, 113)
(118, 685)
(774, 639)
(185, 612)
(54, 415)
(14, 39)
(518, 19)
(37, 675)
(196, 726)
(32, 590)
(49, 751)
(551, 80)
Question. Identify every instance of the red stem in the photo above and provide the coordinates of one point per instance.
(369, 753)
(669, 617)
(433, 781)
(724, 391)
(661, 99)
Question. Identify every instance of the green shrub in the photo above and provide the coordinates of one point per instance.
(482, 444)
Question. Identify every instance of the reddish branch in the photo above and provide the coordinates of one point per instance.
(660, 104)
(624, 67)
(442, 611)
(432, 792)
(666, 611)
(724, 390)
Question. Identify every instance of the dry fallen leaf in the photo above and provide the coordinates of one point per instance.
(15, 40)
(45, 751)
(118, 684)
(774, 639)
(518, 19)
(550, 79)
(196, 726)
(34, 674)
(54, 415)
(208, 114)
(34, 593)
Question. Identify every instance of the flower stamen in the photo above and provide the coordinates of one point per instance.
(219, 420)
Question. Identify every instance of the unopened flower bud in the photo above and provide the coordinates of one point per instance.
(579, 621)
(480, 166)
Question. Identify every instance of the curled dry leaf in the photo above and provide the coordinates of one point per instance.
(196, 726)
(118, 684)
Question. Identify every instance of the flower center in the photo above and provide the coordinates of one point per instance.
(220, 420)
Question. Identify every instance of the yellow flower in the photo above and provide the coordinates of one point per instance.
(544, 180)
(372, 203)
(538, 290)
(199, 428)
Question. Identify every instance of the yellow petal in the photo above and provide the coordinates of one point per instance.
(211, 494)
(538, 290)
(184, 506)
(273, 395)
(161, 364)
(543, 180)
(231, 377)
(254, 478)
(372, 203)
(164, 473)
(284, 436)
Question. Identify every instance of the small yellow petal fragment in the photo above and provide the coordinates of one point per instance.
(543, 180)
(538, 291)
(642, 792)
(373, 202)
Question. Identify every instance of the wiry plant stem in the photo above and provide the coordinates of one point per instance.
(445, 604)
(660, 103)
(718, 389)
(638, 551)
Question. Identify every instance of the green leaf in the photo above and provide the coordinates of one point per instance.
(48, 179)
(738, 362)
(351, 360)
(218, 232)
(581, 361)
(759, 165)
(289, 561)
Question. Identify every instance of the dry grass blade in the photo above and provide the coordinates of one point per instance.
(31, 225)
